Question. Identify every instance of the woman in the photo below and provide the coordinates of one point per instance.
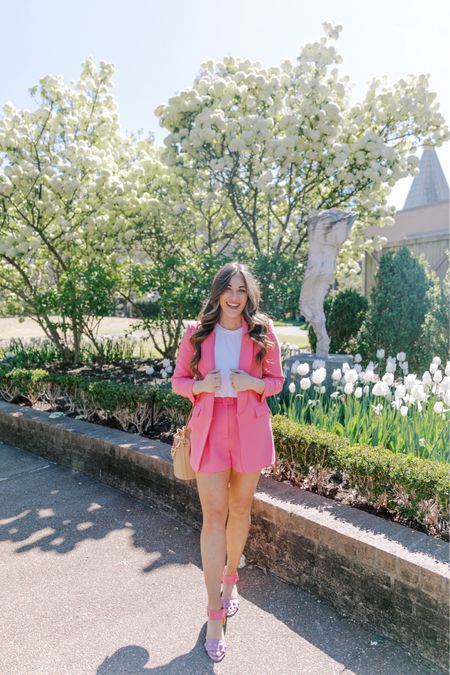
(228, 364)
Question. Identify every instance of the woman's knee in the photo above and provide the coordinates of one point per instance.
(240, 508)
(214, 515)
(213, 493)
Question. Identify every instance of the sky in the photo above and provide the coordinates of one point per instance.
(158, 46)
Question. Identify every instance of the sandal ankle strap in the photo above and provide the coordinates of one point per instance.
(230, 578)
(216, 613)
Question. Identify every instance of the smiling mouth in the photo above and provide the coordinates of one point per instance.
(232, 306)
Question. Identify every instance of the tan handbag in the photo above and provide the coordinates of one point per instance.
(181, 451)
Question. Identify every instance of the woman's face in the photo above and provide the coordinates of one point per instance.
(234, 298)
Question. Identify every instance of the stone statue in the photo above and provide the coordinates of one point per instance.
(326, 234)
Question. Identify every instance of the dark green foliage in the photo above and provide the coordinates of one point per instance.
(434, 338)
(398, 306)
(279, 277)
(345, 313)
(374, 470)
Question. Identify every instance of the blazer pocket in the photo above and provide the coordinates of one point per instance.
(261, 409)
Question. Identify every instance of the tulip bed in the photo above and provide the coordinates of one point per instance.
(401, 411)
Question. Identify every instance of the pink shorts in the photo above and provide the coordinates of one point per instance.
(222, 447)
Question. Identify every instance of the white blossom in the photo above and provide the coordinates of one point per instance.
(305, 383)
(348, 388)
(336, 375)
(303, 369)
(318, 375)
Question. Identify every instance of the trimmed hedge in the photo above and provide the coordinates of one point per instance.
(374, 470)
(135, 407)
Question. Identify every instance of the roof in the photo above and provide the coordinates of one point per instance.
(429, 185)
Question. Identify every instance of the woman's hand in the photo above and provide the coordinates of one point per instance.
(241, 381)
(211, 382)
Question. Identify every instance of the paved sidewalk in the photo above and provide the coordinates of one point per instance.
(95, 581)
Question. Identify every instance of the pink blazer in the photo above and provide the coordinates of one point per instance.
(253, 412)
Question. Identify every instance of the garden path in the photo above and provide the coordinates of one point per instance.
(100, 582)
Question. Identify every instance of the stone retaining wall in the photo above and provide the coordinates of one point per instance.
(374, 571)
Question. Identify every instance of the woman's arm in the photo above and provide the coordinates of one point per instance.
(182, 380)
(273, 377)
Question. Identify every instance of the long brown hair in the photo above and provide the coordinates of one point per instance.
(257, 321)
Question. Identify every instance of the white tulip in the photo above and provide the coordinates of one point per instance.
(410, 381)
(319, 375)
(447, 397)
(388, 379)
(418, 393)
(422, 442)
(303, 369)
(149, 370)
(391, 366)
(351, 375)
(318, 363)
(294, 366)
(336, 375)
(445, 384)
(358, 392)
(437, 377)
(400, 391)
(345, 367)
(380, 353)
(447, 369)
(426, 378)
(404, 410)
(437, 360)
(433, 368)
(368, 376)
(401, 356)
(380, 389)
(292, 388)
(438, 407)
(357, 358)
(348, 388)
(305, 383)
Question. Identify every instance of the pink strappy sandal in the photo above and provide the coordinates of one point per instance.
(216, 648)
(230, 604)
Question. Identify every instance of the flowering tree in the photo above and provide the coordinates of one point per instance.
(68, 180)
(279, 144)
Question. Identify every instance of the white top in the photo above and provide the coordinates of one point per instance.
(227, 349)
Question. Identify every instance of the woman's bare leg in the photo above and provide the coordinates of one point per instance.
(213, 493)
(241, 492)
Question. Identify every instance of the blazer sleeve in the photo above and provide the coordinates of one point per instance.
(183, 379)
(272, 375)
